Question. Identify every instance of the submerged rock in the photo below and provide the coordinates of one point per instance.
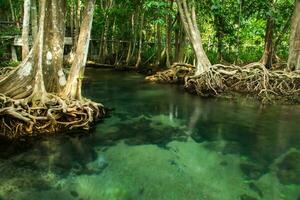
(289, 168)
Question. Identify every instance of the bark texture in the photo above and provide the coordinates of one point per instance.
(267, 58)
(53, 50)
(294, 51)
(73, 86)
(188, 18)
(26, 29)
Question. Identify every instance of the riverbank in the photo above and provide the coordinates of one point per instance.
(266, 86)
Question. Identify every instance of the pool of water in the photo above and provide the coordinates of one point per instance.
(161, 143)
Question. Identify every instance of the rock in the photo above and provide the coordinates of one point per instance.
(289, 168)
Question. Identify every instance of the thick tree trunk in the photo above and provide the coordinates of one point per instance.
(39, 89)
(268, 54)
(73, 86)
(188, 18)
(294, 51)
(44, 58)
(53, 50)
(180, 42)
(26, 29)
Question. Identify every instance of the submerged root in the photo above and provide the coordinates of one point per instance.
(255, 78)
(25, 117)
(176, 74)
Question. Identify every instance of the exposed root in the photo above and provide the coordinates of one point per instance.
(21, 117)
(5, 71)
(176, 74)
(254, 79)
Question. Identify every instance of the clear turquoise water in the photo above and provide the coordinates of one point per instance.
(161, 143)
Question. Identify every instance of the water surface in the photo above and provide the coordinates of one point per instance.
(161, 143)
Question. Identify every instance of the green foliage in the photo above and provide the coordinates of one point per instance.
(9, 64)
(238, 25)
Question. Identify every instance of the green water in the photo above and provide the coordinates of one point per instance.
(161, 143)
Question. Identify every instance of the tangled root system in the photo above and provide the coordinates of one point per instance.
(176, 74)
(255, 78)
(49, 114)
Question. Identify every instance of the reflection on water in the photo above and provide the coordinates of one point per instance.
(161, 143)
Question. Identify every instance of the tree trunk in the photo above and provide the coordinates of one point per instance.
(27, 79)
(14, 56)
(129, 52)
(105, 39)
(139, 58)
(158, 51)
(294, 50)
(169, 36)
(39, 89)
(188, 18)
(26, 29)
(113, 38)
(180, 42)
(77, 22)
(53, 50)
(73, 86)
(133, 19)
(13, 16)
(34, 19)
(41, 69)
(268, 54)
